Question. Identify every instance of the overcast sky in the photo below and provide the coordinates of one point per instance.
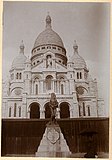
(87, 23)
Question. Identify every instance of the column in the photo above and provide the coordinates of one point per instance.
(5, 109)
(28, 114)
(32, 87)
(24, 107)
(58, 113)
(75, 105)
(68, 85)
(59, 87)
(53, 85)
(41, 86)
(56, 86)
(44, 86)
(42, 113)
(71, 112)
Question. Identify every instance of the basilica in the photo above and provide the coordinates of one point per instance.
(32, 80)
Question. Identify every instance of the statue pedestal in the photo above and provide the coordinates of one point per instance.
(53, 143)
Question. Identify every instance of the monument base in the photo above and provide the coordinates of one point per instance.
(53, 143)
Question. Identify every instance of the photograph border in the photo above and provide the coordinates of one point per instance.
(110, 107)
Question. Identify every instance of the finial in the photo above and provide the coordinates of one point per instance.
(22, 47)
(75, 46)
(48, 21)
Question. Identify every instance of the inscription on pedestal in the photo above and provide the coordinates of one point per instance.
(53, 135)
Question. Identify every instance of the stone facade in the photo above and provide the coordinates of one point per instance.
(27, 92)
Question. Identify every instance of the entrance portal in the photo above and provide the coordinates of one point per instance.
(64, 110)
(47, 110)
(34, 110)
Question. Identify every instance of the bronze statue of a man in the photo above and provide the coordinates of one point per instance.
(53, 104)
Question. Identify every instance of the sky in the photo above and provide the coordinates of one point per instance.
(87, 23)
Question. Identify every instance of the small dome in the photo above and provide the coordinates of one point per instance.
(48, 36)
(28, 60)
(19, 61)
(78, 61)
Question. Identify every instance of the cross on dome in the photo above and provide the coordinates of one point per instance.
(48, 21)
(22, 47)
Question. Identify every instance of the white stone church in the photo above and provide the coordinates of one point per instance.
(27, 93)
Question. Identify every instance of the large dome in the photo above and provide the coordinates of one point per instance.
(48, 36)
(19, 61)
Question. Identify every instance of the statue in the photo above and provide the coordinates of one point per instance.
(53, 104)
(49, 62)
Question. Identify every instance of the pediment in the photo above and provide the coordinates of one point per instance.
(38, 67)
(60, 67)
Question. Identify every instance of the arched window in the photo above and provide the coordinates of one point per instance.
(64, 110)
(14, 109)
(36, 89)
(17, 75)
(49, 82)
(36, 79)
(84, 113)
(62, 78)
(10, 112)
(79, 111)
(19, 111)
(20, 76)
(77, 75)
(88, 110)
(38, 49)
(47, 110)
(34, 110)
(62, 89)
(80, 75)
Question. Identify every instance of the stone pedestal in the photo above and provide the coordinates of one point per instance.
(53, 143)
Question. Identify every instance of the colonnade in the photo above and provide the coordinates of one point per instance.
(57, 86)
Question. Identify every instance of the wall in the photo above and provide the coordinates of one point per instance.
(22, 136)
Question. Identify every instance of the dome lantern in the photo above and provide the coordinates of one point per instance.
(22, 47)
(75, 47)
(19, 61)
(78, 61)
(48, 21)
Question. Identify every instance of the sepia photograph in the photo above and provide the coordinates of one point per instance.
(55, 79)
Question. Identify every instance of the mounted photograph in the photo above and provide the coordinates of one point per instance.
(55, 79)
